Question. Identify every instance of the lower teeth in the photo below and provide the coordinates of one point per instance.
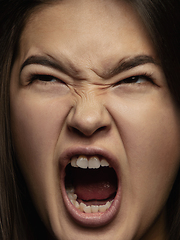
(86, 208)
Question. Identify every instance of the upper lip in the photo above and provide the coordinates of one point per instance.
(89, 151)
(113, 161)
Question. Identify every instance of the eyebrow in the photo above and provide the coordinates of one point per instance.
(70, 69)
(50, 62)
(129, 63)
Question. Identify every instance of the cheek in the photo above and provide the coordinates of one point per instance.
(36, 126)
(150, 133)
(151, 137)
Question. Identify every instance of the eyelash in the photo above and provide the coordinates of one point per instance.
(134, 79)
(43, 78)
(130, 80)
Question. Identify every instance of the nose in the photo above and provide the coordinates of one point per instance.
(88, 117)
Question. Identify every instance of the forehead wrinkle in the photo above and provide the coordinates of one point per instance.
(78, 69)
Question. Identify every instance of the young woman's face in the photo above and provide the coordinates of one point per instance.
(87, 88)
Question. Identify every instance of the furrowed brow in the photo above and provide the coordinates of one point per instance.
(68, 69)
(127, 64)
(71, 70)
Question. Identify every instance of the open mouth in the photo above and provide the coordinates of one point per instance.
(91, 184)
(91, 189)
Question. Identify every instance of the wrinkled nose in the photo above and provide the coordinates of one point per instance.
(88, 117)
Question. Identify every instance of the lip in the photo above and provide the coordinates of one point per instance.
(90, 219)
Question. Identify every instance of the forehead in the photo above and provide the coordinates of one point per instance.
(87, 30)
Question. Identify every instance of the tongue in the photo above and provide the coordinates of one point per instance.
(94, 184)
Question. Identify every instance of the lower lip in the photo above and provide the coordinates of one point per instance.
(92, 219)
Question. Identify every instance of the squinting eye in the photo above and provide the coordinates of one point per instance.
(44, 78)
(135, 80)
(47, 78)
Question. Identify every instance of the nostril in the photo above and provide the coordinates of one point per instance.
(101, 129)
(76, 131)
(86, 132)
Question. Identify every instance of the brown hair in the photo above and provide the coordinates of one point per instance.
(18, 218)
(162, 19)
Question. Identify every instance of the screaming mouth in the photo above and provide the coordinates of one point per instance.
(91, 184)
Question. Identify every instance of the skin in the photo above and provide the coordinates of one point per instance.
(136, 122)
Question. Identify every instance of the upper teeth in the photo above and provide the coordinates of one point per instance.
(93, 162)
